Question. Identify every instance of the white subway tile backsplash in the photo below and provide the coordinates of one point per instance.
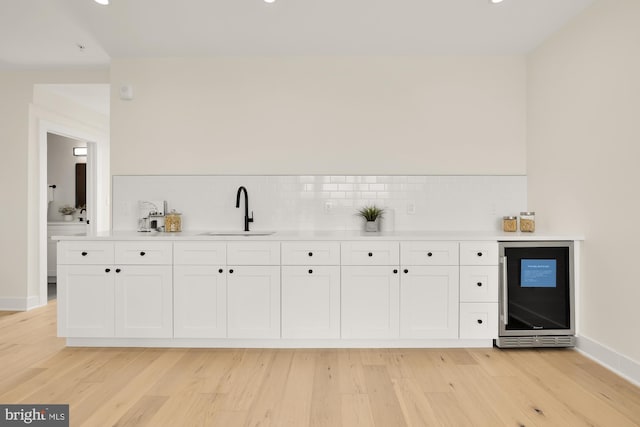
(298, 202)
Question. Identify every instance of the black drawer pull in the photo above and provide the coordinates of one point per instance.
(395, 271)
(479, 284)
(118, 270)
(479, 321)
(310, 253)
(310, 271)
(231, 271)
(429, 254)
(479, 254)
(83, 254)
(142, 253)
(406, 271)
(106, 270)
(220, 270)
(370, 253)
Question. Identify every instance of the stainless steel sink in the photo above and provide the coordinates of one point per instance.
(238, 233)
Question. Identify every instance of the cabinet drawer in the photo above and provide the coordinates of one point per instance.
(370, 253)
(199, 253)
(478, 284)
(143, 253)
(85, 252)
(479, 253)
(478, 320)
(255, 253)
(429, 253)
(310, 253)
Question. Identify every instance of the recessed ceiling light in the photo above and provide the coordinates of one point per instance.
(102, 2)
(490, 1)
(269, 1)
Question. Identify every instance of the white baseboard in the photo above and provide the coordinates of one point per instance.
(19, 304)
(621, 365)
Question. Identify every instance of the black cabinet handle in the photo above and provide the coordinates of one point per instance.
(429, 254)
(479, 321)
(83, 254)
(118, 270)
(395, 271)
(106, 270)
(220, 270)
(231, 271)
(406, 271)
(479, 284)
(370, 253)
(310, 271)
(142, 253)
(479, 254)
(310, 253)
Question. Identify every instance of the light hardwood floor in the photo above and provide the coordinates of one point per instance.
(347, 387)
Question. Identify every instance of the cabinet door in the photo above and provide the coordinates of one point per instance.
(429, 302)
(311, 302)
(199, 301)
(85, 301)
(370, 302)
(144, 306)
(253, 301)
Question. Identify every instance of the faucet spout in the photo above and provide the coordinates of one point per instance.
(247, 219)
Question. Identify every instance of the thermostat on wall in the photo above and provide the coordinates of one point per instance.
(126, 92)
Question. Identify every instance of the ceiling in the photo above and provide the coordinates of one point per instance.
(48, 33)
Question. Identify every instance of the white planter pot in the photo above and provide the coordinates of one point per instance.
(68, 217)
(371, 226)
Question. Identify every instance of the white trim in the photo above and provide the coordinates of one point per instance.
(19, 304)
(273, 343)
(43, 121)
(627, 368)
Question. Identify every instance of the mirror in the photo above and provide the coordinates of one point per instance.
(81, 185)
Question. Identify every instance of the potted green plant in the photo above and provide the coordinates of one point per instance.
(67, 211)
(371, 214)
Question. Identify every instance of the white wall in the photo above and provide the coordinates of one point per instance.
(320, 115)
(19, 166)
(582, 160)
(61, 172)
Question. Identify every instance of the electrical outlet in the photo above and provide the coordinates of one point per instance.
(411, 208)
(328, 207)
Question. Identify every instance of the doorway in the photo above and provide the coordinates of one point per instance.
(70, 125)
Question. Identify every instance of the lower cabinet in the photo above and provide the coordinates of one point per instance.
(311, 302)
(429, 302)
(253, 301)
(370, 302)
(199, 301)
(144, 301)
(86, 301)
(478, 320)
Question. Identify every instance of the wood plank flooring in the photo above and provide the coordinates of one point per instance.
(324, 387)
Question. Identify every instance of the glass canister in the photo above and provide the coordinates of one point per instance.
(173, 221)
(509, 224)
(528, 222)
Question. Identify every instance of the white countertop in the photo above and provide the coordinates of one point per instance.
(56, 223)
(328, 235)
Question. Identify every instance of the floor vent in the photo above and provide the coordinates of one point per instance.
(536, 341)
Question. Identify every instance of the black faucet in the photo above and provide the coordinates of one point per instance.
(247, 220)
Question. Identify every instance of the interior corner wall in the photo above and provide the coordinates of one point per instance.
(408, 115)
(19, 168)
(582, 160)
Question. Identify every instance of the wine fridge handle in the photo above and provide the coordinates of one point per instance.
(505, 291)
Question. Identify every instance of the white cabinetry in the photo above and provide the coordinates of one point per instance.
(99, 298)
(311, 290)
(429, 290)
(479, 290)
(143, 289)
(370, 290)
(253, 291)
(199, 290)
(60, 229)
